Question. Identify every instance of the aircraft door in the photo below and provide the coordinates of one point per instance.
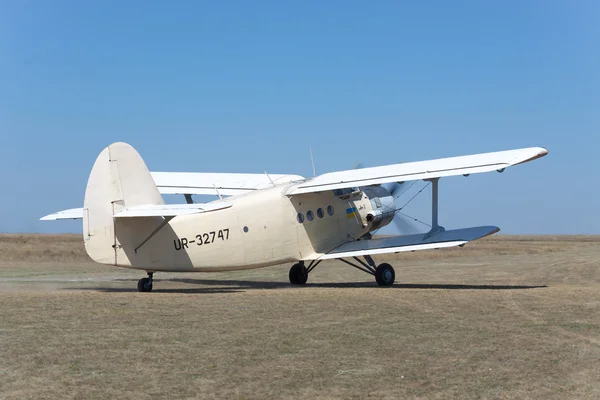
(257, 245)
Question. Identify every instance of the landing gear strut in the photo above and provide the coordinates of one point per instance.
(299, 273)
(145, 284)
(384, 274)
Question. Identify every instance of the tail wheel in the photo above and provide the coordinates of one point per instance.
(385, 275)
(298, 274)
(144, 285)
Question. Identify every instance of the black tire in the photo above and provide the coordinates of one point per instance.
(385, 275)
(144, 285)
(298, 274)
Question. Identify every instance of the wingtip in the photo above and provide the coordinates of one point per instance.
(533, 154)
(542, 152)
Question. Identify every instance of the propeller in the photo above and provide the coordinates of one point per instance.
(359, 165)
(403, 223)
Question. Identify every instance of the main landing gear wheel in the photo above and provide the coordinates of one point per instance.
(298, 274)
(145, 284)
(385, 275)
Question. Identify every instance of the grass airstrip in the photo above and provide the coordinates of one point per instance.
(507, 317)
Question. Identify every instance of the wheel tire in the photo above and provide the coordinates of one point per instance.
(144, 285)
(385, 275)
(298, 274)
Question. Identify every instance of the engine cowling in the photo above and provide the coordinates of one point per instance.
(383, 206)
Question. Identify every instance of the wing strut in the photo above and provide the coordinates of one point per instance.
(154, 232)
(435, 227)
(369, 267)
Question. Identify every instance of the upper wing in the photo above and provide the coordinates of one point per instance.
(149, 210)
(463, 165)
(421, 241)
(216, 183)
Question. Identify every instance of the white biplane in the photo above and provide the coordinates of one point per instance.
(262, 220)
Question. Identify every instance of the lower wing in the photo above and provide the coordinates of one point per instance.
(421, 241)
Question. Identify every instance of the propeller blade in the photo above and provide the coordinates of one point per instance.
(396, 188)
(405, 225)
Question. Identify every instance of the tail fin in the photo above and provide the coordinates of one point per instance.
(119, 179)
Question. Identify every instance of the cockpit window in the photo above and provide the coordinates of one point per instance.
(346, 193)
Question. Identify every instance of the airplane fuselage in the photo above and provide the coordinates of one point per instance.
(260, 229)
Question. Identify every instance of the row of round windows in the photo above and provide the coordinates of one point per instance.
(310, 216)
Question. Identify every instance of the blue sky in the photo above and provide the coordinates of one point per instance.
(249, 86)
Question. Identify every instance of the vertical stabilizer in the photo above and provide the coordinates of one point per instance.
(119, 179)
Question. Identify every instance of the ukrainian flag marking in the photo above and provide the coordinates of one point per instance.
(351, 212)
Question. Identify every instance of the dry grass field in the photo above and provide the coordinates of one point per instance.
(508, 317)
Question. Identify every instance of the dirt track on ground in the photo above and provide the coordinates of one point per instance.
(505, 317)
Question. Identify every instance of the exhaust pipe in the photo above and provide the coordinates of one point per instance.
(374, 216)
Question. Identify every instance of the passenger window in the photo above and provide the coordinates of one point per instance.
(320, 213)
(309, 215)
(300, 218)
(330, 210)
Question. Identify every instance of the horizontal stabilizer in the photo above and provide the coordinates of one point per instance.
(421, 241)
(145, 210)
(72, 213)
(169, 210)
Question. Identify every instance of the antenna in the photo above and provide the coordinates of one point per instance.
(312, 160)
(272, 183)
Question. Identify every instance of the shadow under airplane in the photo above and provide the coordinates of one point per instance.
(234, 286)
